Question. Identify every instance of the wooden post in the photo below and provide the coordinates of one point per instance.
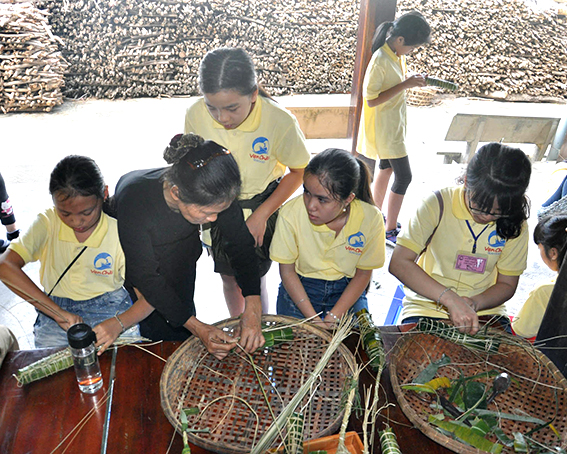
(372, 14)
(552, 334)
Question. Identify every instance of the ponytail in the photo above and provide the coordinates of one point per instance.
(380, 35)
(363, 191)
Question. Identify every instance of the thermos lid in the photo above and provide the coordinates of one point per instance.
(80, 335)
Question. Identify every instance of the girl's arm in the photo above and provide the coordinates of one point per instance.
(294, 288)
(13, 276)
(417, 80)
(350, 296)
(497, 294)
(403, 266)
(257, 221)
(108, 330)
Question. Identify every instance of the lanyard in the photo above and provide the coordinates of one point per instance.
(476, 237)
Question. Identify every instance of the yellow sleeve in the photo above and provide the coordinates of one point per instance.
(29, 245)
(514, 258)
(292, 151)
(374, 78)
(374, 254)
(527, 322)
(421, 224)
(284, 247)
(189, 113)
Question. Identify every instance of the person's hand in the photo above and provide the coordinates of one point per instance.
(250, 327)
(416, 80)
(472, 303)
(217, 342)
(463, 316)
(257, 226)
(67, 319)
(106, 333)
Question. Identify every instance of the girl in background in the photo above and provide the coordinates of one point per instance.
(266, 141)
(476, 243)
(82, 263)
(551, 238)
(382, 129)
(328, 241)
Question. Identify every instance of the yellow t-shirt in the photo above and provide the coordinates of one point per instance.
(507, 257)
(382, 130)
(100, 269)
(528, 320)
(315, 250)
(267, 142)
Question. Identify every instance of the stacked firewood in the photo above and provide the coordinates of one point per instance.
(31, 66)
(496, 48)
(132, 48)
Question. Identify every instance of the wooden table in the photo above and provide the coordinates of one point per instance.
(37, 417)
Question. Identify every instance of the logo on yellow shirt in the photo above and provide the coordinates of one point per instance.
(260, 148)
(356, 243)
(495, 243)
(103, 264)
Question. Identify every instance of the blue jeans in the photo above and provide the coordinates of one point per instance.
(48, 333)
(322, 294)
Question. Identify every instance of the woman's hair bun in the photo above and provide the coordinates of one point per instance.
(180, 145)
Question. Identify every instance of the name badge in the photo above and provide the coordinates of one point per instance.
(474, 263)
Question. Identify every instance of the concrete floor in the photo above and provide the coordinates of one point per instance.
(126, 135)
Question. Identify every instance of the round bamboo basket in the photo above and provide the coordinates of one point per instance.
(538, 389)
(422, 96)
(230, 398)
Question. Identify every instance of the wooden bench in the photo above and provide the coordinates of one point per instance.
(474, 128)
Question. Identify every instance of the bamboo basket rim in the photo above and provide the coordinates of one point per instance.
(193, 347)
(403, 353)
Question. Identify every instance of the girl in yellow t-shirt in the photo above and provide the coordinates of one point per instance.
(462, 255)
(382, 129)
(328, 241)
(82, 263)
(551, 238)
(266, 141)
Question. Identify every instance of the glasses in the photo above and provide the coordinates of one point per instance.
(478, 212)
(200, 158)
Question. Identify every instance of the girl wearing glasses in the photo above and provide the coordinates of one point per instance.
(266, 141)
(475, 241)
(159, 212)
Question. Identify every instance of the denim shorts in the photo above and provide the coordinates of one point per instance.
(322, 294)
(48, 333)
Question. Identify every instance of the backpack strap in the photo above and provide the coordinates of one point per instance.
(67, 269)
(441, 209)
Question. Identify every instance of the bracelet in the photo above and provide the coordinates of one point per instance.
(120, 321)
(439, 299)
(333, 315)
(301, 301)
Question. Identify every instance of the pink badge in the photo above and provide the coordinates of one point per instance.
(470, 263)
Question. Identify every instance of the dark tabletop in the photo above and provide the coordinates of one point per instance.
(37, 417)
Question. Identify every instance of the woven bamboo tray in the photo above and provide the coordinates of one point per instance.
(194, 378)
(532, 391)
(422, 96)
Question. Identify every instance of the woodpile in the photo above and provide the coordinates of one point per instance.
(495, 48)
(132, 48)
(31, 66)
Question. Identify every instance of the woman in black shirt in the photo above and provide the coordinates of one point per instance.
(159, 212)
